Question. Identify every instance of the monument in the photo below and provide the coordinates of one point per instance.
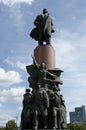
(44, 106)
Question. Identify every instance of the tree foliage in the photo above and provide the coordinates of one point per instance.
(77, 126)
(2, 128)
(11, 125)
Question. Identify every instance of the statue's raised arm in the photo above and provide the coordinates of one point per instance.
(44, 28)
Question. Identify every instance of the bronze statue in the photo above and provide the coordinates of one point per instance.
(44, 28)
(63, 113)
(40, 105)
(26, 112)
(39, 73)
(53, 111)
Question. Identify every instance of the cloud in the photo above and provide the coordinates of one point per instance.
(16, 18)
(69, 49)
(65, 50)
(0, 105)
(20, 108)
(18, 64)
(12, 94)
(9, 77)
(12, 2)
(21, 65)
(15, 13)
(4, 118)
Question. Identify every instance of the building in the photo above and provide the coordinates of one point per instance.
(78, 116)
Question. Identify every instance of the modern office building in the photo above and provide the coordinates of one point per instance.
(78, 116)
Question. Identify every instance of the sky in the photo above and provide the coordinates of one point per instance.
(68, 41)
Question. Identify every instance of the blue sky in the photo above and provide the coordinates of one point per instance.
(69, 42)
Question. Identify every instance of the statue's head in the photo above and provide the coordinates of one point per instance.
(42, 66)
(38, 85)
(45, 11)
(56, 88)
(27, 90)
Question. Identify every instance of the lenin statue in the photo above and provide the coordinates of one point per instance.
(44, 28)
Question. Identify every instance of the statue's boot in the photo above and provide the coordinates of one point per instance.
(54, 128)
(35, 128)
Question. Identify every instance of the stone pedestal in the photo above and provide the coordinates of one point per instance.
(45, 54)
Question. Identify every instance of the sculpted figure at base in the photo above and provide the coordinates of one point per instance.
(40, 106)
(54, 117)
(63, 114)
(39, 73)
(26, 112)
(44, 28)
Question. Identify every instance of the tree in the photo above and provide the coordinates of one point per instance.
(77, 126)
(11, 125)
(2, 128)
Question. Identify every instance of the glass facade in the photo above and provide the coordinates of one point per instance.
(78, 115)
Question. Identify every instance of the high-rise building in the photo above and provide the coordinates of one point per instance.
(79, 115)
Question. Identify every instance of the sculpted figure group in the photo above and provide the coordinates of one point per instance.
(43, 107)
